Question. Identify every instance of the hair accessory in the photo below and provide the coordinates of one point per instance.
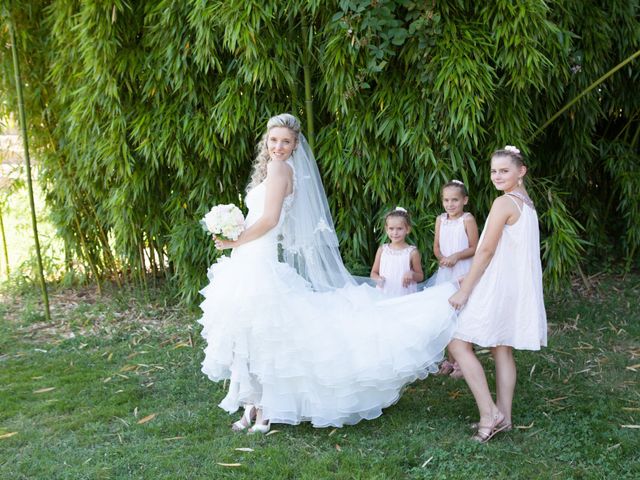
(400, 209)
(512, 149)
(458, 182)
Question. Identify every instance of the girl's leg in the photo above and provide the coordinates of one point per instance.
(505, 379)
(477, 381)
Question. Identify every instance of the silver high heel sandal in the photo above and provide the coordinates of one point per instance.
(245, 421)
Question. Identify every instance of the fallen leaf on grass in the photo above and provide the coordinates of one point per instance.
(128, 368)
(524, 427)
(244, 449)
(44, 390)
(454, 394)
(7, 435)
(634, 368)
(556, 399)
(427, 462)
(630, 426)
(272, 432)
(146, 419)
(173, 438)
(338, 447)
(332, 431)
(229, 464)
(631, 409)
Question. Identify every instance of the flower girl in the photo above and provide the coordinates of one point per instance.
(456, 234)
(500, 299)
(454, 244)
(397, 268)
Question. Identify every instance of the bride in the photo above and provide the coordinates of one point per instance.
(284, 321)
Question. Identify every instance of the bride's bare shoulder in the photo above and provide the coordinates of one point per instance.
(279, 169)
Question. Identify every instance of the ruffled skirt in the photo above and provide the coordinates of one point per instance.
(331, 358)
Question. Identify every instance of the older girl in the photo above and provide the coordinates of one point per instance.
(501, 296)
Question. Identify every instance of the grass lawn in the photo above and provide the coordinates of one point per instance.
(112, 389)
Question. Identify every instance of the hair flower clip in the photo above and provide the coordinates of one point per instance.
(458, 182)
(400, 209)
(511, 148)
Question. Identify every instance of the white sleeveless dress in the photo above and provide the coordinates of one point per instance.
(393, 265)
(332, 358)
(506, 307)
(453, 238)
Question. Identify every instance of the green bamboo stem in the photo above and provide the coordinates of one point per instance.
(294, 70)
(583, 93)
(307, 35)
(87, 255)
(25, 141)
(4, 245)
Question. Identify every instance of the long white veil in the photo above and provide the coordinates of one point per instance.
(309, 241)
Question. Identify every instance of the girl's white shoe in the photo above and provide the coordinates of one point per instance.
(245, 421)
(260, 427)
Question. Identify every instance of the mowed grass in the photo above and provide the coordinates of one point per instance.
(112, 388)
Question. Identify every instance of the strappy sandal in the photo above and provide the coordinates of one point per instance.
(246, 420)
(507, 426)
(482, 436)
(456, 373)
(446, 368)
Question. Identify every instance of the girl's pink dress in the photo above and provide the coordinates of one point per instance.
(393, 266)
(506, 306)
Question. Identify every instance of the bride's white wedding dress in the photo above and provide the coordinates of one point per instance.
(331, 358)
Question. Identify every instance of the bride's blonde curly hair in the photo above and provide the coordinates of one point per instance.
(262, 157)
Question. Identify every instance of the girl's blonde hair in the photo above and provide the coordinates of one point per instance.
(262, 150)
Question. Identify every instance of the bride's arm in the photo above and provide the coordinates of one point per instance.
(277, 183)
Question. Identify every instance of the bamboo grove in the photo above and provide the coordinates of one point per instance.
(146, 113)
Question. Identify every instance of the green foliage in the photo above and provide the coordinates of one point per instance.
(145, 114)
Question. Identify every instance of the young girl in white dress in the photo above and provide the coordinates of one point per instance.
(289, 327)
(397, 268)
(454, 245)
(501, 301)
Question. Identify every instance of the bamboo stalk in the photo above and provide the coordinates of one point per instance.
(307, 36)
(68, 259)
(87, 255)
(25, 142)
(143, 265)
(583, 93)
(4, 245)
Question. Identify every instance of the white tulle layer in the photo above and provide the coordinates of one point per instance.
(330, 358)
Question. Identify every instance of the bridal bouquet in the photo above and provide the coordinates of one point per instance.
(224, 221)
